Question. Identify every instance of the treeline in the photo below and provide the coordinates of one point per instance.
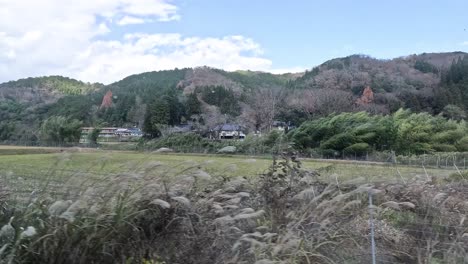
(207, 97)
(271, 143)
(59, 83)
(359, 133)
(345, 134)
(453, 90)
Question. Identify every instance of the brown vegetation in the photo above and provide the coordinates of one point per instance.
(287, 215)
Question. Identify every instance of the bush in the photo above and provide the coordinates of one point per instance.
(338, 142)
(59, 129)
(185, 142)
(272, 138)
(403, 132)
(462, 144)
(252, 145)
(191, 142)
(358, 148)
(444, 147)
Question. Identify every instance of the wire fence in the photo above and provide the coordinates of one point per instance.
(431, 234)
(455, 160)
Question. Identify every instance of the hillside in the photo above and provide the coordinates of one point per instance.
(43, 89)
(410, 81)
(189, 79)
(355, 71)
(206, 96)
(25, 102)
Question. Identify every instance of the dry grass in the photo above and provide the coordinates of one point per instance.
(159, 209)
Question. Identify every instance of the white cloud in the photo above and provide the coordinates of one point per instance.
(112, 60)
(464, 43)
(129, 20)
(289, 70)
(162, 9)
(50, 37)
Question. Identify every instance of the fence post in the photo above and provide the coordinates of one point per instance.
(371, 219)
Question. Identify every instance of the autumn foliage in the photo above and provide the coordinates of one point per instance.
(367, 97)
(107, 100)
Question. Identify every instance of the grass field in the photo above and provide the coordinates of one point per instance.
(96, 206)
(27, 172)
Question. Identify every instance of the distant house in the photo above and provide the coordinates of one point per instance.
(136, 132)
(128, 132)
(281, 126)
(110, 134)
(227, 131)
(86, 131)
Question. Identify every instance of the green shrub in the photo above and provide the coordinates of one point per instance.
(185, 142)
(329, 153)
(191, 142)
(358, 148)
(444, 147)
(462, 144)
(421, 147)
(339, 141)
(399, 218)
(272, 138)
(450, 136)
(403, 132)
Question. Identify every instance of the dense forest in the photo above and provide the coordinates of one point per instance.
(429, 85)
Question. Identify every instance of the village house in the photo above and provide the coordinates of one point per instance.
(110, 134)
(281, 126)
(227, 131)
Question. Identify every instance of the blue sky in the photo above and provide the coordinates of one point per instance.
(306, 33)
(106, 40)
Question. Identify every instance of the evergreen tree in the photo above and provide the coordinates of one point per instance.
(223, 98)
(59, 129)
(193, 105)
(157, 115)
(175, 107)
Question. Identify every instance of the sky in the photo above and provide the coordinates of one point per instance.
(107, 40)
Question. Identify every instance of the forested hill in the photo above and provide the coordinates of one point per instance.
(57, 85)
(430, 82)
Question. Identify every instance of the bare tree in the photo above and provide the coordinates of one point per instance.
(323, 102)
(264, 106)
(212, 116)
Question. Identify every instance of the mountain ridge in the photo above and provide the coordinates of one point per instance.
(209, 96)
(440, 59)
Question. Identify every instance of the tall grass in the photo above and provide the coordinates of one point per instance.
(182, 214)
